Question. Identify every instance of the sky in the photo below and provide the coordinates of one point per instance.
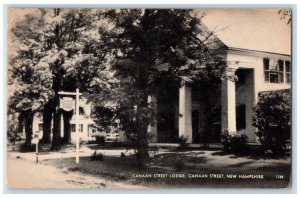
(255, 29)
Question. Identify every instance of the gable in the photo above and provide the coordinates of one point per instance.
(251, 29)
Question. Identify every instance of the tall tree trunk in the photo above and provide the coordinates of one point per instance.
(142, 134)
(56, 139)
(21, 122)
(47, 120)
(28, 126)
(142, 118)
(67, 127)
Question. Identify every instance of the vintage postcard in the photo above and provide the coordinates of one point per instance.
(149, 98)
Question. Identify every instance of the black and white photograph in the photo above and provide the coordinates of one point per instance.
(149, 98)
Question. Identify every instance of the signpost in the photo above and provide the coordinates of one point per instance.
(76, 94)
(77, 126)
(35, 141)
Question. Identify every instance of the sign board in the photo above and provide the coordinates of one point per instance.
(40, 135)
(67, 103)
(35, 141)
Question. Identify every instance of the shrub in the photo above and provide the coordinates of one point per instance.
(272, 119)
(74, 169)
(13, 136)
(182, 141)
(24, 148)
(122, 154)
(100, 140)
(234, 142)
(97, 156)
(153, 151)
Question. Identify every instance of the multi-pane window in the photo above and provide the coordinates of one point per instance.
(267, 69)
(288, 71)
(274, 72)
(280, 67)
(73, 128)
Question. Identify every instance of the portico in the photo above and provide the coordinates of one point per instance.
(188, 109)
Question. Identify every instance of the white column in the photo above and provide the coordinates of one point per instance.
(185, 113)
(152, 128)
(228, 103)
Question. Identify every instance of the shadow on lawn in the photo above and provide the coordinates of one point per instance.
(251, 153)
(240, 165)
(178, 161)
(124, 168)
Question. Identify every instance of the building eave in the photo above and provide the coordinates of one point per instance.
(256, 51)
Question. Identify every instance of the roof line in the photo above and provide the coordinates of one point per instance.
(242, 49)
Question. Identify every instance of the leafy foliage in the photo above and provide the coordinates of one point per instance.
(60, 50)
(13, 136)
(148, 45)
(97, 156)
(286, 15)
(25, 148)
(182, 140)
(115, 57)
(100, 140)
(272, 119)
(234, 141)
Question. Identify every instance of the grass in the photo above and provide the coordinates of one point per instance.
(178, 167)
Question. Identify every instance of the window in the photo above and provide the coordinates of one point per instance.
(73, 128)
(280, 65)
(288, 71)
(41, 127)
(267, 69)
(274, 71)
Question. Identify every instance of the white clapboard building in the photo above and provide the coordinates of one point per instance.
(87, 127)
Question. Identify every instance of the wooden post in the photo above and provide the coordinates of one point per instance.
(37, 152)
(77, 126)
(77, 94)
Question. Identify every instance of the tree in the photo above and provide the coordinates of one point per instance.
(273, 119)
(286, 15)
(29, 80)
(63, 44)
(143, 40)
(207, 84)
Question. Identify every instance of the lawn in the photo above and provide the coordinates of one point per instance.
(197, 169)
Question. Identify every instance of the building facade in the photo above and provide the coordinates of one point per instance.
(256, 71)
(232, 108)
(86, 126)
